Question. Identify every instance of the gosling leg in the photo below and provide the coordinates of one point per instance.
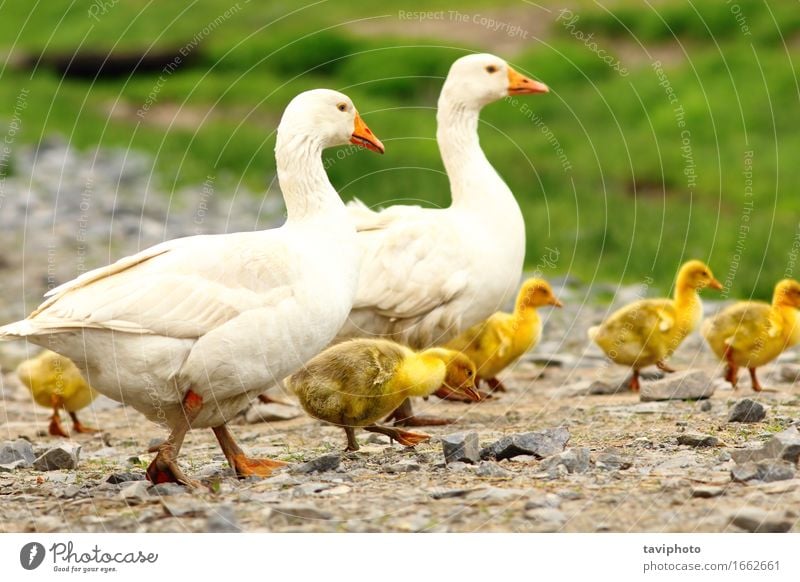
(732, 372)
(55, 428)
(78, 426)
(405, 438)
(352, 443)
(754, 380)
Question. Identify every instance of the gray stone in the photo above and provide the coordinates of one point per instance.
(757, 520)
(538, 444)
(19, 450)
(298, 512)
(164, 489)
(789, 373)
(177, 507)
(135, 492)
(697, 440)
(492, 494)
(747, 410)
(705, 405)
(271, 412)
(116, 478)
(404, 466)
(490, 469)
(62, 456)
(785, 445)
(707, 491)
(573, 460)
(686, 385)
(13, 466)
(461, 446)
(612, 460)
(320, 464)
(548, 519)
(222, 520)
(547, 500)
(763, 471)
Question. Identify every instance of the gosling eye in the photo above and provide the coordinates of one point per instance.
(491, 69)
(469, 373)
(342, 107)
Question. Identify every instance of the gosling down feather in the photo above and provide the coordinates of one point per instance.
(55, 382)
(356, 383)
(502, 339)
(750, 334)
(647, 332)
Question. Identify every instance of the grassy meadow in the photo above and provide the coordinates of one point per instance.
(671, 131)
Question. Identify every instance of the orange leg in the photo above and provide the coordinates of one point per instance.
(754, 380)
(242, 464)
(634, 384)
(164, 468)
(404, 416)
(55, 427)
(405, 438)
(732, 372)
(79, 427)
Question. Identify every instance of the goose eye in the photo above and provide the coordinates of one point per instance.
(342, 107)
(491, 69)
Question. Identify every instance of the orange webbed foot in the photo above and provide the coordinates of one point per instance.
(247, 467)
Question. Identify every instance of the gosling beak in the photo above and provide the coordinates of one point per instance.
(555, 302)
(471, 392)
(363, 136)
(521, 85)
(714, 284)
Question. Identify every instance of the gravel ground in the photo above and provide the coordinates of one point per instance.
(632, 476)
(623, 469)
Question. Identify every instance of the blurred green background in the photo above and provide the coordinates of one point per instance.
(624, 200)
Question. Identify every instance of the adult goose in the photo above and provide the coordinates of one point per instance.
(188, 331)
(429, 274)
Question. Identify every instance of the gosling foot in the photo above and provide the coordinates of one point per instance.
(404, 437)
(55, 428)
(79, 427)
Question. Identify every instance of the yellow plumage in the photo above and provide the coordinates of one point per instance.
(647, 332)
(356, 383)
(750, 334)
(496, 343)
(55, 382)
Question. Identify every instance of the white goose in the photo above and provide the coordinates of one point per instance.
(428, 274)
(188, 331)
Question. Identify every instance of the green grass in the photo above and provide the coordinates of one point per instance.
(622, 212)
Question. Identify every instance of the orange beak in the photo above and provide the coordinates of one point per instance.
(363, 136)
(714, 284)
(471, 392)
(522, 85)
(555, 302)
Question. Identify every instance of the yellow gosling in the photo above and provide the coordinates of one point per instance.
(647, 332)
(750, 334)
(356, 383)
(55, 382)
(501, 340)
